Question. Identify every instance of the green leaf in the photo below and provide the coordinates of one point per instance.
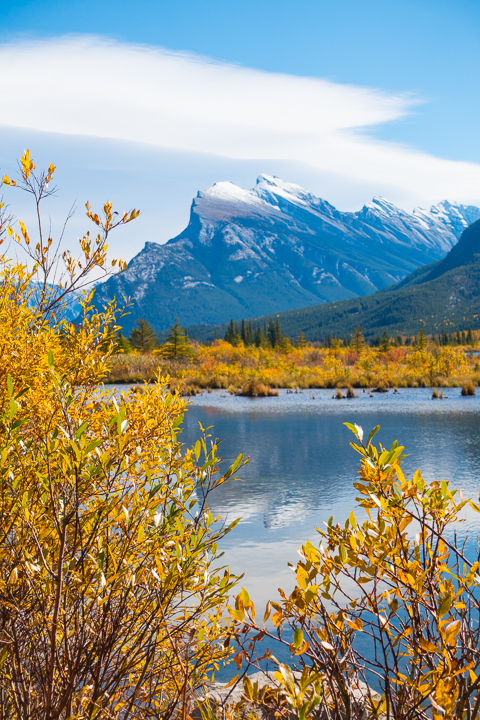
(245, 598)
(445, 600)
(81, 430)
(51, 361)
(354, 429)
(372, 433)
(9, 385)
(235, 465)
(22, 392)
(298, 638)
(13, 408)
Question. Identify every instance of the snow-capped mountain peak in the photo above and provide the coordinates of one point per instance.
(277, 247)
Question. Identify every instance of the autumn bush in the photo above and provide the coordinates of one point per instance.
(111, 595)
(383, 621)
(222, 365)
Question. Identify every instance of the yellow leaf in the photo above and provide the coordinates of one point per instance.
(451, 631)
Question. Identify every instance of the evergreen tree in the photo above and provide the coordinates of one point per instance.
(142, 336)
(249, 333)
(230, 334)
(258, 336)
(243, 332)
(470, 339)
(385, 342)
(272, 334)
(122, 344)
(458, 338)
(278, 332)
(421, 341)
(177, 344)
(399, 341)
(301, 341)
(265, 333)
(358, 340)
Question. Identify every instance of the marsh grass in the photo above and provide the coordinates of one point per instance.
(226, 367)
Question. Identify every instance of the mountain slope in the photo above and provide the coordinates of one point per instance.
(277, 247)
(445, 294)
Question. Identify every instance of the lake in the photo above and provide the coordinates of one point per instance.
(301, 465)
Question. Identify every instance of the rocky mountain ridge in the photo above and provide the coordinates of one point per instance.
(444, 295)
(278, 247)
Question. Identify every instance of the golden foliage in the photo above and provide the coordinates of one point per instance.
(222, 365)
(111, 598)
(400, 581)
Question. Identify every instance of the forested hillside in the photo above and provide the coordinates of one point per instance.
(445, 294)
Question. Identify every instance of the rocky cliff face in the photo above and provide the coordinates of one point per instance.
(277, 247)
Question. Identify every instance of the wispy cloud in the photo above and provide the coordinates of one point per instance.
(96, 87)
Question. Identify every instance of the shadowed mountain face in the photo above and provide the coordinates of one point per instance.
(445, 294)
(277, 247)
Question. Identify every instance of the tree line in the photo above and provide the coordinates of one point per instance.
(177, 345)
(143, 339)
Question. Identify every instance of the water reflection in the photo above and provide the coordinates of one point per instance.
(302, 467)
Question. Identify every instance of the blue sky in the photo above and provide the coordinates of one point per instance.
(405, 71)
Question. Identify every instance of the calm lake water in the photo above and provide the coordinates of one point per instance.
(301, 465)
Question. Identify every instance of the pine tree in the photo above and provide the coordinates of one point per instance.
(272, 333)
(122, 344)
(258, 336)
(358, 341)
(384, 342)
(421, 341)
(230, 334)
(301, 341)
(470, 338)
(142, 336)
(249, 333)
(265, 334)
(243, 332)
(177, 344)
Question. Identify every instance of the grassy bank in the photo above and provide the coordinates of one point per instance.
(235, 368)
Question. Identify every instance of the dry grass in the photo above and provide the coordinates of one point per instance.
(240, 369)
(256, 389)
(468, 388)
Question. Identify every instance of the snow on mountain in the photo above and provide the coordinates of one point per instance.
(277, 247)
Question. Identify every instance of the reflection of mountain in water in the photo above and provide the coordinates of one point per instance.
(301, 466)
(286, 514)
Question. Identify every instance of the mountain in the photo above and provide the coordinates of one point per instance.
(278, 247)
(445, 294)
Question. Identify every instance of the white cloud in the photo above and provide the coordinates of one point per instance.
(100, 88)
